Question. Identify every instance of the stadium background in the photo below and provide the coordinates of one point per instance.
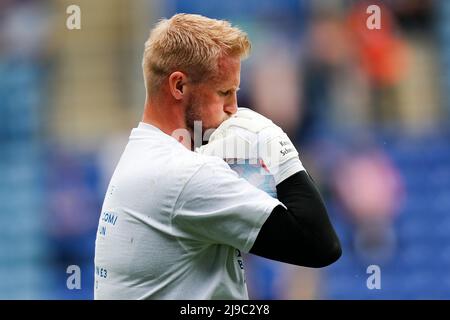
(368, 110)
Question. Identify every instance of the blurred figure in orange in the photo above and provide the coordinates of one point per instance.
(383, 57)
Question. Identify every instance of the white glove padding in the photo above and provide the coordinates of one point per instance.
(247, 135)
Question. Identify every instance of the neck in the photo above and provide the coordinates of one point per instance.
(169, 118)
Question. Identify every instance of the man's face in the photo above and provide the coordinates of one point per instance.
(214, 101)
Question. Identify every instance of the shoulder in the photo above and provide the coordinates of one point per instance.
(208, 167)
(209, 161)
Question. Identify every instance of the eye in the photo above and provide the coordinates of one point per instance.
(225, 93)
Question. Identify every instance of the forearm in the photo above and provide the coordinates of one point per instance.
(302, 234)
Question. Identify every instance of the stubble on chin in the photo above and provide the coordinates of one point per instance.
(192, 114)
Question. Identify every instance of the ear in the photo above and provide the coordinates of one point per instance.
(177, 82)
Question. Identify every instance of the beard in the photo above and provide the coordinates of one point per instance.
(193, 113)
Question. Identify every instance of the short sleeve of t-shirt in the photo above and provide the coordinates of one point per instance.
(216, 206)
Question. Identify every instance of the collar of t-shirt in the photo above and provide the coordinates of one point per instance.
(148, 126)
(146, 130)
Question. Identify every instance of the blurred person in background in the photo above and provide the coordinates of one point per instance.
(383, 57)
(334, 90)
(73, 193)
(369, 187)
(279, 103)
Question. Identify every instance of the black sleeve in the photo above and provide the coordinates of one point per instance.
(302, 234)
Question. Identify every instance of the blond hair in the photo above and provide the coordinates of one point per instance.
(192, 44)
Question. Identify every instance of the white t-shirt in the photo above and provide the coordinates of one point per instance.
(174, 223)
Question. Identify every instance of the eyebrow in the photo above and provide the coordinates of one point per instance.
(233, 88)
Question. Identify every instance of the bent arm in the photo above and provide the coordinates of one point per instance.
(302, 234)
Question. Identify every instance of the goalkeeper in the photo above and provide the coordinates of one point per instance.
(174, 222)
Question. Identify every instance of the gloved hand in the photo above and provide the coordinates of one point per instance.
(247, 135)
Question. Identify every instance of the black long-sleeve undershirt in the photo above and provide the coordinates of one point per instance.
(302, 234)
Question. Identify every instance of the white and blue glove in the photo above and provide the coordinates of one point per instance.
(249, 136)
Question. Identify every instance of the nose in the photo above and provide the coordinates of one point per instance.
(231, 107)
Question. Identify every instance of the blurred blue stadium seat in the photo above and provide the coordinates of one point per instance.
(22, 246)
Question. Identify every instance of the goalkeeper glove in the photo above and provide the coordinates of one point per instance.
(249, 135)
